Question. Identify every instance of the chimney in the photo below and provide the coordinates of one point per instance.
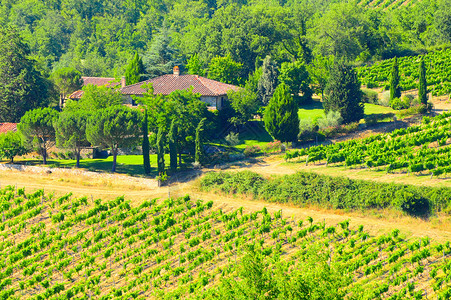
(123, 81)
(176, 71)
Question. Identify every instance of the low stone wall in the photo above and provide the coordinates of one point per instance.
(146, 182)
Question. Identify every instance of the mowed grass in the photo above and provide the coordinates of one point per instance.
(315, 110)
(126, 164)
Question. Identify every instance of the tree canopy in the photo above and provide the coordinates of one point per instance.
(22, 87)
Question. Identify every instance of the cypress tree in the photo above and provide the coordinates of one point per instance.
(134, 70)
(145, 144)
(281, 115)
(172, 139)
(343, 93)
(422, 85)
(200, 155)
(395, 89)
(160, 151)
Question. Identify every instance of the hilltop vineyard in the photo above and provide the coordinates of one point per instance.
(79, 248)
(387, 4)
(418, 149)
(438, 68)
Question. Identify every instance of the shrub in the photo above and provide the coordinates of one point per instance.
(385, 99)
(272, 147)
(232, 139)
(306, 129)
(332, 119)
(411, 203)
(252, 150)
(398, 104)
(369, 96)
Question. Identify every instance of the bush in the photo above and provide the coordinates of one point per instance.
(232, 139)
(385, 99)
(398, 104)
(411, 203)
(306, 130)
(252, 150)
(305, 188)
(370, 96)
(332, 119)
(272, 147)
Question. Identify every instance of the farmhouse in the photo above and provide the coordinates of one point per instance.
(212, 92)
(6, 127)
(98, 81)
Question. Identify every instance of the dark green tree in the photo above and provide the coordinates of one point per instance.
(343, 93)
(395, 88)
(145, 143)
(66, 80)
(95, 98)
(267, 82)
(70, 131)
(281, 115)
(134, 70)
(116, 127)
(422, 85)
(319, 71)
(244, 102)
(22, 88)
(160, 151)
(11, 144)
(37, 128)
(297, 78)
(172, 141)
(200, 153)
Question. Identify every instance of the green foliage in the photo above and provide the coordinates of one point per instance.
(200, 152)
(267, 82)
(319, 71)
(67, 80)
(395, 89)
(161, 56)
(160, 151)
(70, 128)
(225, 69)
(194, 65)
(134, 70)
(296, 77)
(11, 144)
(145, 143)
(422, 85)
(245, 104)
(305, 188)
(37, 128)
(343, 93)
(95, 98)
(172, 141)
(116, 127)
(22, 87)
(281, 115)
(332, 119)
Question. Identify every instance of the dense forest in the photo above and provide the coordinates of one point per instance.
(99, 38)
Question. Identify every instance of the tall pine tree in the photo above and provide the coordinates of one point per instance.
(343, 93)
(395, 88)
(422, 85)
(134, 70)
(160, 151)
(172, 139)
(199, 154)
(145, 143)
(281, 115)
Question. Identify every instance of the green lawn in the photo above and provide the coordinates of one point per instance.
(126, 164)
(315, 110)
(254, 134)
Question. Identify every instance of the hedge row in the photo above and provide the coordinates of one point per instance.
(305, 188)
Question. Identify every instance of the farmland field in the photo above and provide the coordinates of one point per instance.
(421, 149)
(67, 247)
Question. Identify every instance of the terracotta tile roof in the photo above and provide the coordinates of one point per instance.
(5, 127)
(99, 81)
(168, 83)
